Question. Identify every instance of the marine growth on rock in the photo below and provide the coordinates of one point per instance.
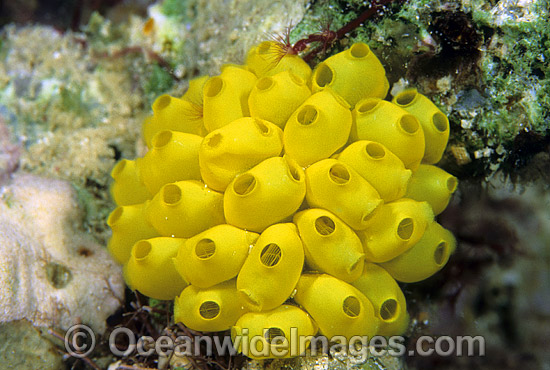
(275, 197)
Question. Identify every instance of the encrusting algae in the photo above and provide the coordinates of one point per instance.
(276, 197)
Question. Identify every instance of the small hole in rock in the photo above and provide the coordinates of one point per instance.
(58, 275)
(84, 252)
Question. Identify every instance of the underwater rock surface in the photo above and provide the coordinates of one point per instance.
(51, 273)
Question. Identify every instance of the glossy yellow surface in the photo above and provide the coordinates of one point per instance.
(127, 188)
(330, 245)
(150, 271)
(335, 186)
(386, 297)
(214, 256)
(273, 334)
(272, 269)
(185, 208)
(295, 199)
(395, 228)
(318, 128)
(392, 126)
(433, 185)
(174, 114)
(337, 307)
(379, 166)
(268, 58)
(425, 258)
(214, 309)
(236, 148)
(265, 195)
(129, 225)
(354, 73)
(226, 96)
(434, 123)
(174, 156)
(195, 92)
(275, 98)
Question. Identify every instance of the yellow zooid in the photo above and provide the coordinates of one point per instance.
(214, 309)
(214, 256)
(272, 269)
(150, 271)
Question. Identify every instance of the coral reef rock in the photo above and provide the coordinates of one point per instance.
(51, 273)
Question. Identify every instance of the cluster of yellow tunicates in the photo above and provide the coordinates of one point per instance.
(275, 197)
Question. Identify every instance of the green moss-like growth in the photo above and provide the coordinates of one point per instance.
(158, 83)
(493, 88)
(175, 8)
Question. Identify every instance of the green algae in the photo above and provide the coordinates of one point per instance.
(491, 99)
(158, 83)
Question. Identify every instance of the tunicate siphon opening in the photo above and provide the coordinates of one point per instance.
(270, 255)
(323, 75)
(355, 265)
(118, 168)
(205, 248)
(367, 105)
(441, 253)
(409, 123)
(209, 310)
(214, 86)
(294, 171)
(351, 306)
(338, 99)
(296, 79)
(244, 184)
(307, 115)
(406, 97)
(324, 225)
(141, 249)
(59, 276)
(452, 183)
(264, 83)
(440, 122)
(359, 50)
(369, 214)
(214, 140)
(272, 333)
(262, 127)
(405, 228)
(171, 194)
(161, 139)
(115, 216)
(339, 174)
(375, 150)
(388, 309)
(161, 102)
(250, 300)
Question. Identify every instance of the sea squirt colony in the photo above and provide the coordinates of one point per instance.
(275, 197)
